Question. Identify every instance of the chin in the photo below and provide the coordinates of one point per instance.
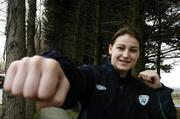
(125, 69)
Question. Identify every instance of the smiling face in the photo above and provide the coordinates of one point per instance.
(124, 53)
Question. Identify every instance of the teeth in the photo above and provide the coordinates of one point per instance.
(124, 61)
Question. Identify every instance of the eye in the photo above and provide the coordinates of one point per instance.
(120, 48)
(134, 50)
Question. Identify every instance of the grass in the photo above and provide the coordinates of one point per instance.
(178, 113)
(73, 114)
(176, 101)
(37, 114)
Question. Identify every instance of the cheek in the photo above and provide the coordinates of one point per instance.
(135, 57)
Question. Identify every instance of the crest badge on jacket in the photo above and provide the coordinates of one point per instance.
(143, 99)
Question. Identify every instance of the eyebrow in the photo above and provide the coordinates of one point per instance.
(125, 45)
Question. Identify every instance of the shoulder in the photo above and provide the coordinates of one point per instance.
(139, 84)
(101, 69)
(164, 91)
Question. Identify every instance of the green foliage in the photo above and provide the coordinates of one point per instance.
(37, 114)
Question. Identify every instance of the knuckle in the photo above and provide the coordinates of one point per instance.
(14, 64)
(59, 101)
(36, 60)
(52, 64)
(22, 62)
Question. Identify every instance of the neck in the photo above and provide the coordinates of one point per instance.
(123, 74)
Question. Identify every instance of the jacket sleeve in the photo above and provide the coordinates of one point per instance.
(81, 79)
(162, 104)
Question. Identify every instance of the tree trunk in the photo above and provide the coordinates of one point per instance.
(38, 38)
(30, 104)
(77, 30)
(159, 42)
(98, 43)
(14, 107)
(31, 27)
(138, 21)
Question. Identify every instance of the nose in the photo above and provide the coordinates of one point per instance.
(126, 53)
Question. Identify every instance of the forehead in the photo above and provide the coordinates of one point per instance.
(126, 40)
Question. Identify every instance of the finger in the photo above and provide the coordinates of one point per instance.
(20, 77)
(148, 83)
(145, 77)
(49, 79)
(31, 85)
(142, 77)
(62, 90)
(10, 74)
(59, 97)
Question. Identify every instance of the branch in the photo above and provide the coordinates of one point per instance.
(3, 2)
(173, 57)
(171, 50)
(112, 22)
(2, 20)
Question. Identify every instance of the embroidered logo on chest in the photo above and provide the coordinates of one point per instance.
(143, 99)
(100, 87)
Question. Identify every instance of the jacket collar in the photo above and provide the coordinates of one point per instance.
(109, 67)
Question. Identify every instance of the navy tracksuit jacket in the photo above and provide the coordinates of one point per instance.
(104, 95)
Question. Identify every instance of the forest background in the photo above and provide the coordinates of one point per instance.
(81, 30)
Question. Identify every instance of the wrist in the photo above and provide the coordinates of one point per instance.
(160, 87)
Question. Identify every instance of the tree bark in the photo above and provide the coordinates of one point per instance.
(30, 104)
(31, 27)
(159, 42)
(14, 107)
(138, 21)
(98, 43)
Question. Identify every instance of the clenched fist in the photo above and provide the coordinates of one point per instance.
(37, 78)
(151, 78)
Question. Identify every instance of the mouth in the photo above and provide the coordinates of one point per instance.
(124, 61)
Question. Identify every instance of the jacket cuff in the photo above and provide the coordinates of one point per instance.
(161, 88)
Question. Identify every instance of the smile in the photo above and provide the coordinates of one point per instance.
(124, 61)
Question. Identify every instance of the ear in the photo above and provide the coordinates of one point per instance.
(110, 49)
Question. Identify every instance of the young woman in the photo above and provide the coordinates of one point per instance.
(104, 92)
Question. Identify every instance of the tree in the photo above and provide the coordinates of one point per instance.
(163, 31)
(14, 107)
(31, 27)
(98, 43)
(30, 104)
(138, 21)
(38, 34)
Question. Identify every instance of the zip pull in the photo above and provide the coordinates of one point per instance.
(121, 89)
